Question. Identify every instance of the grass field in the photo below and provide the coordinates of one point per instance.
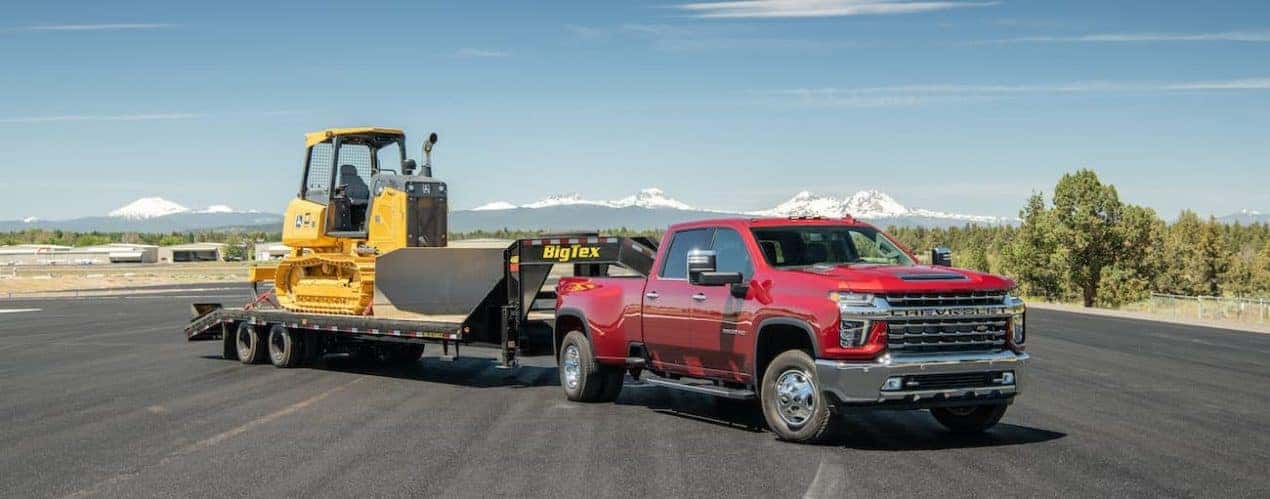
(57, 278)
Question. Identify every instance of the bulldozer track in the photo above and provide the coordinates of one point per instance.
(326, 284)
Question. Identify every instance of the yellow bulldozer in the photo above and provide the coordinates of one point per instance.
(360, 199)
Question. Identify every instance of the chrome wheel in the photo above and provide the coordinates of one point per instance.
(795, 397)
(572, 365)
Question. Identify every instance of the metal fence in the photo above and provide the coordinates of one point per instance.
(1245, 310)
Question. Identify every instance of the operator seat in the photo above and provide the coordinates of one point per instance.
(354, 187)
(353, 196)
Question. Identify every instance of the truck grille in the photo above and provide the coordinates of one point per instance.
(945, 299)
(940, 335)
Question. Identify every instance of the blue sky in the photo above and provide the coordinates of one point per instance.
(964, 106)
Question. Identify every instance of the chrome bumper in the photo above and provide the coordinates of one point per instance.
(861, 383)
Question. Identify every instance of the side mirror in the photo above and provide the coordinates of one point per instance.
(408, 167)
(700, 261)
(941, 257)
(703, 270)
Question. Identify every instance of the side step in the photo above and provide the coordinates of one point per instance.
(707, 389)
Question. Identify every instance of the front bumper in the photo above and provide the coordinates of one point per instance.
(861, 383)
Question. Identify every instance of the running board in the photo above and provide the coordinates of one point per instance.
(717, 391)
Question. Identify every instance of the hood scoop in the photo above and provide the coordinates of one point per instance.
(932, 276)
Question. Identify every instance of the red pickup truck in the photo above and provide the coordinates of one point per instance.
(809, 316)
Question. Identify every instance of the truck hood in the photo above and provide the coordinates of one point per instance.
(879, 278)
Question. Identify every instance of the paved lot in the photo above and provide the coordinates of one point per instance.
(105, 398)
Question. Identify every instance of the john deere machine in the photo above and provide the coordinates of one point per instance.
(353, 206)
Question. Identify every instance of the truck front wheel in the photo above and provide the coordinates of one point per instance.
(793, 404)
(973, 419)
(584, 379)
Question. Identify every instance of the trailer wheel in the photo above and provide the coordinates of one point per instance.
(229, 343)
(793, 404)
(250, 345)
(974, 419)
(580, 375)
(285, 349)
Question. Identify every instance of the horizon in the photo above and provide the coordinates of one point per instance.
(962, 107)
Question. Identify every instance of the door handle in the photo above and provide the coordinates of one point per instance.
(651, 295)
(699, 297)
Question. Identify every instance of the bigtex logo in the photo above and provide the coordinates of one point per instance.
(566, 253)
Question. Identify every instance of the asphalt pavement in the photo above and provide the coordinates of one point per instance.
(104, 397)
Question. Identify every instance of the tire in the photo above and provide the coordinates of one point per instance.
(974, 419)
(286, 348)
(229, 343)
(794, 406)
(250, 345)
(580, 375)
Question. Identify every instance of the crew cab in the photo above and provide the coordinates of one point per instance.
(810, 316)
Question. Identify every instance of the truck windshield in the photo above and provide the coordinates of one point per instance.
(815, 245)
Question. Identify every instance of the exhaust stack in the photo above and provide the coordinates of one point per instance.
(427, 154)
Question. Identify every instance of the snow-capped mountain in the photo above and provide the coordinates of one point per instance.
(1245, 217)
(30, 220)
(869, 204)
(653, 208)
(148, 208)
(651, 198)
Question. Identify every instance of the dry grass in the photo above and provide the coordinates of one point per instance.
(36, 279)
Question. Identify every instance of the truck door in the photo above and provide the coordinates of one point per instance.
(723, 324)
(668, 306)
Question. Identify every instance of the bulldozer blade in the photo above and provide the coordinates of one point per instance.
(429, 283)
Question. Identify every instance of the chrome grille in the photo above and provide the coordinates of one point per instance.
(940, 335)
(901, 300)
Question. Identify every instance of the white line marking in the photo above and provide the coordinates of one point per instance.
(827, 483)
(17, 310)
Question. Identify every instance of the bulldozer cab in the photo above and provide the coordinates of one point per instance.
(339, 166)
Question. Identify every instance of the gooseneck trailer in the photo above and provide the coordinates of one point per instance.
(489, 294)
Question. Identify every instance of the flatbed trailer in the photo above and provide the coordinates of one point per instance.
(511, 315)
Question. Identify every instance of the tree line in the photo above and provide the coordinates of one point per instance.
(1084, 244)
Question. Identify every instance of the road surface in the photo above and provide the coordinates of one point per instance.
(103, 397)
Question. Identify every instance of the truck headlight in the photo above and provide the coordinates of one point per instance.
(850, 299)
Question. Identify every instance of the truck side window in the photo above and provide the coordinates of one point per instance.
(676, 264)
(731, 254)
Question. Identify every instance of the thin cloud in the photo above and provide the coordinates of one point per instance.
(913, 95)
(90, 27)
(1225, 36)
(62, 118)
(480, 53)
(818, 8)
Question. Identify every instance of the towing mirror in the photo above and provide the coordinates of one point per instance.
(703, 270)
(941, 257)
(701, 261)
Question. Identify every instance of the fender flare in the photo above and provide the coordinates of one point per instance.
(574, 313)
(783, 321)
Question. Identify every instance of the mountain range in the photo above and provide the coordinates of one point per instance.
(649, 208)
